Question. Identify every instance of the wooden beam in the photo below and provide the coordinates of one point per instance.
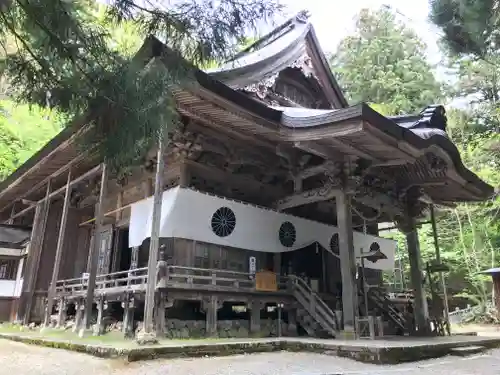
(373, 200)
(53, 175)
(37, 249)
(347, 261)
(83, 177)
(23, 301)
(319, 150)
(154, 242)
(216, 125)
(317, 169)
(239, 182)
(59, 251)
(94, 252)
(307, 197)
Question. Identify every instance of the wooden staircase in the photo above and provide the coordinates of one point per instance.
(314, 315)
(378, 299)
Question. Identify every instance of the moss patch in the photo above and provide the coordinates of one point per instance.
(117, 347)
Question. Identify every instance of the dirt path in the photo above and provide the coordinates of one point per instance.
(21, 359)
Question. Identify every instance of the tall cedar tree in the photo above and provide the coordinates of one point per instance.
(384, 62)
(63, 59)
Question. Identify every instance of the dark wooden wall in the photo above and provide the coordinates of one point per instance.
(5, 309)
(47, 256)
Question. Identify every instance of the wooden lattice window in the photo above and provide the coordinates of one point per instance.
(8, 269)
(201, 255)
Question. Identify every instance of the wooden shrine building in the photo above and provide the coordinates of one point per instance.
(273, 188)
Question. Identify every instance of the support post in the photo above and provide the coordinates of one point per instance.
(277, 263)
(79, 307)
(420, 310)
(255, 307)
(128, 316)
(101, 307)
(211, 316)
(441, 274)
(61, 315)
(59, 251)
(36, 247)
(94, 253)
(148, 335)
(347, 263)
(292, 321)
(160, 321)
(134, 257)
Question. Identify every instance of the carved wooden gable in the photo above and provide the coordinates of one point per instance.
(296, 86)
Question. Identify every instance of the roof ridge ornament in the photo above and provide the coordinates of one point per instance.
(303, 16)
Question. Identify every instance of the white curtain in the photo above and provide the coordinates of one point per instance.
(189, 214)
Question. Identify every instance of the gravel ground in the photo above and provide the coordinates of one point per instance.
(21, 359)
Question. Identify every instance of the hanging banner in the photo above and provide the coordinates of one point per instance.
(206, 218)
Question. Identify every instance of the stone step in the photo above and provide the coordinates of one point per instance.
(467, 350)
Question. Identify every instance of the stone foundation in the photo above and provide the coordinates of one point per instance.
(184, 329)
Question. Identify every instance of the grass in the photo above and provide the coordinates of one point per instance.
(61, 335)
(114, 339)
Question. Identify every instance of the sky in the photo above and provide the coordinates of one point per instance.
(334, 19)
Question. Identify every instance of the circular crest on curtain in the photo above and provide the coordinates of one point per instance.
(287, 234)
(223, 222)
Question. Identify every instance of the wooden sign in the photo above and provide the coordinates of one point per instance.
(265, 281)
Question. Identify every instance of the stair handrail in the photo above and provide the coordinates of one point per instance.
(300, 283)
(395, 314)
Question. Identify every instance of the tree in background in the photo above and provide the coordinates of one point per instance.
(470, 42)
(23, 131)
(384, 62)
(64, 60)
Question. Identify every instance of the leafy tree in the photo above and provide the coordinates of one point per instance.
(64, 60)
(470, 27)
(23, 131)
(384, 62)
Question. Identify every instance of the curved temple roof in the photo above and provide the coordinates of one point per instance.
(424, 131)
(284, 47)
(270, 55)
(357, 128)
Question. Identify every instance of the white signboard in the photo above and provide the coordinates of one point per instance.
(252, 265)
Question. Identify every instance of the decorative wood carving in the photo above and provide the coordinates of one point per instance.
(185, 144)
(273, 85)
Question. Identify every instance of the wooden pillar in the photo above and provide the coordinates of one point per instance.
(160, 320)
(61, 315)
(94, 252)
(277, 263)
(211, 307)
(292, 321)
(59, 252)
(420, 309)
(101, 308)
(185, 176)
(79, 310)
(496, 291)
(36, 246)
(148, 333)
(347, 262)
(12, 213)
(134, 255)
(128, 316)
(255, 307)
(441, 274)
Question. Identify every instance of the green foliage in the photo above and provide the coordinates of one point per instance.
(75, 57)
(23, 131)
(469, 26)
(384, 62)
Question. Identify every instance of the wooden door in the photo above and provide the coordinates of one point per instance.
(105, 247)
